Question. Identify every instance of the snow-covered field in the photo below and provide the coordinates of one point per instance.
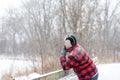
(8, 65)
(109, 71)
(106, 71)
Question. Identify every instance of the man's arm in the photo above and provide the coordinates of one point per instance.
(67, 64)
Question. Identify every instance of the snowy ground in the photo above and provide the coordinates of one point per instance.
(106, 71)
(109, 71)
(9, 65)
(29, 77)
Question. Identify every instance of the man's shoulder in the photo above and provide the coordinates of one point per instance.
(74, 53)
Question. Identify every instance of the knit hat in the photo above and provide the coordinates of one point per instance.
(72, 39)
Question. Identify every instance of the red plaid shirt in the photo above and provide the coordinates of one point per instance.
(82, 65)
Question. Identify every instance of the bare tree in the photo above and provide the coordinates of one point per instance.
(37, 29)
(40, 26)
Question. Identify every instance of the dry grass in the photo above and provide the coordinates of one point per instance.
(108, 59)
(51, 63)
(6, 76)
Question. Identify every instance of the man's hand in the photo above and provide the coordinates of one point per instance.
(64, 51)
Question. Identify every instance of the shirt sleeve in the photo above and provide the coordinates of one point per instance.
(67, 64)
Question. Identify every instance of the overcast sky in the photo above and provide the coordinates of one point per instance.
(4, 4)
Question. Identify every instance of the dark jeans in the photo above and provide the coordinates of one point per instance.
(95, 77)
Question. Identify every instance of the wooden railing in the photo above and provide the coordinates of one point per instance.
(59, 73)
(53, 75)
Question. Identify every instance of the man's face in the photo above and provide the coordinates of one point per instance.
(67, 44)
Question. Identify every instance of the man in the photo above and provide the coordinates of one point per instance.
(77, 59)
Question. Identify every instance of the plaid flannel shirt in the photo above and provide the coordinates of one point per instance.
(82, 65)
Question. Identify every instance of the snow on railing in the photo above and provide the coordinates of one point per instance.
(52, 75)
(48, 76)
(95, 60)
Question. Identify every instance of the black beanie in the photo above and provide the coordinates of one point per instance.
(72, 39)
